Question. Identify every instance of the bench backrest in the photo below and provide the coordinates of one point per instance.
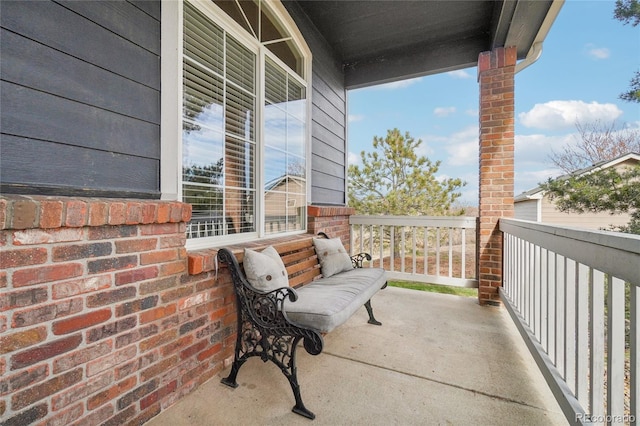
(300, 259)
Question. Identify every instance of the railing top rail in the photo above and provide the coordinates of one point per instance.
(613, 253)
(433, 221)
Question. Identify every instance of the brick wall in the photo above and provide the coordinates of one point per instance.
(100, 323)
(496, 70)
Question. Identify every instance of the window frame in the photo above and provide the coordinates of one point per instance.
(171, 105)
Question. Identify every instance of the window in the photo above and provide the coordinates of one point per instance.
(244, 126)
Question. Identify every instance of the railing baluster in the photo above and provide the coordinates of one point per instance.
(536, 291)
(392, 248)
(596, 377)
(382, 246)
(570, 324)
(561, 315)
(371, 244)
(438, 251)
(615, 349)
(634, 346)
(414, 250)
(553, 303)
(450, 253)
(581, 282)
(544, 301)
(464, 253)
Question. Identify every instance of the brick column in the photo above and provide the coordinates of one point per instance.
(334, 221)
(496, 70)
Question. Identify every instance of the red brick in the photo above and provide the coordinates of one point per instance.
(158, 257)
(164, 213)
(98, 213)
(160, 229)
(82, 356)
(44, 352)
(46, 236)
(39, 313)
(158, 340)
(22, 298)
(133, 213)
(50, 214)
(111, 393)
(79, 322)
(137, 245)
(149, 212)
(208, 353)
(117, 213)
(111, 232)
(158, 395)
(97, 417)
(137, 393)
(111, 329)
(157, 313)
(173, 268)
(65, 417)
(80, 286)
(45, 274)
(23, 257)
(25, 214)
(159, 368)
(135, 275)
(99, 365)
(27, 417)
(112, 264)
(110, 297)
(81, 251)
(80, 391)
(22, 339)
(76, 215)
(193, 349)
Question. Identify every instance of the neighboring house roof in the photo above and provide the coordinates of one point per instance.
(537, 192)
(274, 183)
(383, 41)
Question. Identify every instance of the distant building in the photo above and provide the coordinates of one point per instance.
(536, 206)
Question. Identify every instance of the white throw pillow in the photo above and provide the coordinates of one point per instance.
(265, 270)
(332, 255)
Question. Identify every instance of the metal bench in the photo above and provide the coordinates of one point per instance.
(270, 324)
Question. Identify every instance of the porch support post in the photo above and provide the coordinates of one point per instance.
(496, 71)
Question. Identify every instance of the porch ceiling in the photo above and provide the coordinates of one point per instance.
(383, 41)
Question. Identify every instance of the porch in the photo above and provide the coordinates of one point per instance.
(421, 367)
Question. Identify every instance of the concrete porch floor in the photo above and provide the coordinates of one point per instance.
(436, 360)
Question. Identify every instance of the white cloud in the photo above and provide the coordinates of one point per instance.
(459, 74)
(597, 52)
(444, 111)
(353, 158)
(555, 115)
(399, 84)
(462, 147)
(355, 117)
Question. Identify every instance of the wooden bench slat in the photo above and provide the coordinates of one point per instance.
(304, 278)
(308, 253)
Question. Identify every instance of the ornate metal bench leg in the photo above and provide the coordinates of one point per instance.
(291, 372)
(230, 380)
(372, 319)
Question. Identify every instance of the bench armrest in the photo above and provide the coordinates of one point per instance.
(265, 309)
(358, 259)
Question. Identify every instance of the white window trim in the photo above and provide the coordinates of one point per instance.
(171, 104)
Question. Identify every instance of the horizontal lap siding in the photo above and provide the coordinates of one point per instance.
(80, 98)
(328, 116)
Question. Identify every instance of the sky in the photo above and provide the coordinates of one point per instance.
(588, 59)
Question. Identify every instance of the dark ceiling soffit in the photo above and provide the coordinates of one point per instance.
(501, 22)
(415, 61)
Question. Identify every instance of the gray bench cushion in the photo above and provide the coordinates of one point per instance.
(328, 302)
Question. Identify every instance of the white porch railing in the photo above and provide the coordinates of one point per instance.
(431, 249)
(574, 296)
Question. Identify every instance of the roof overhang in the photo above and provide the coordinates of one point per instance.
(384, 41)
